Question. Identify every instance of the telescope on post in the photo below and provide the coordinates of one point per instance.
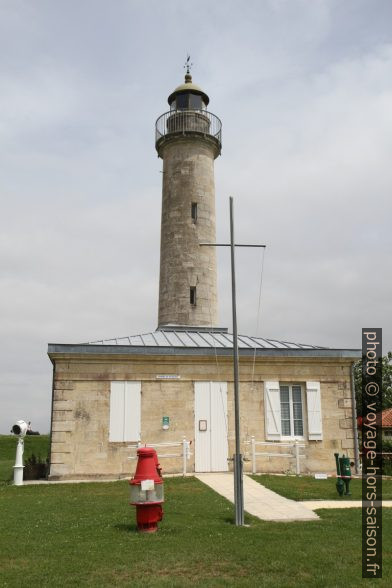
(19, 429)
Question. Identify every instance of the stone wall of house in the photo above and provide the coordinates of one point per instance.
(80, 418)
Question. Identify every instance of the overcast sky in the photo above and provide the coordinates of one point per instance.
(304, 91)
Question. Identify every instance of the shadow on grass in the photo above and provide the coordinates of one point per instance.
(229, 520)
(126, 527)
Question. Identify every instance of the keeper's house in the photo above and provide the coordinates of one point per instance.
(172, 383)
(178, 380)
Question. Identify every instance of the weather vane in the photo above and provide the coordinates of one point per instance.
(188, 64)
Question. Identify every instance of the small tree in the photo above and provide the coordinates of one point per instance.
(386, 383)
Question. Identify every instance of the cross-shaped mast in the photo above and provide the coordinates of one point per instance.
(238, 476)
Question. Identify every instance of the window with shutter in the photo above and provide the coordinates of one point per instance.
(125, 411)
(287, 415)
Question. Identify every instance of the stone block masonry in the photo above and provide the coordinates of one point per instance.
(188, 178)
(80, 433)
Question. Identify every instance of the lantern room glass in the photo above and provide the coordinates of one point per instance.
(187, 101)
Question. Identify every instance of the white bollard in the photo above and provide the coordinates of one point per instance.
(253, 445)
(184, 455)
(297, 462)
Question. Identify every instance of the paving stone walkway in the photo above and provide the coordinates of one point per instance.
(259, 501)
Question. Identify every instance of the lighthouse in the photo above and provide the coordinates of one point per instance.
(173, 386)
(188, 140)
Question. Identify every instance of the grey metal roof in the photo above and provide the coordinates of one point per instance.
(197, 341)
(200, 338)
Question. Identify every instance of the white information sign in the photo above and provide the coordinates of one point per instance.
(147, 485)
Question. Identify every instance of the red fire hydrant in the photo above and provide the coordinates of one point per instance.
(147, 490)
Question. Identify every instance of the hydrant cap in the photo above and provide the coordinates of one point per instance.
(146, 468)
(146, 451)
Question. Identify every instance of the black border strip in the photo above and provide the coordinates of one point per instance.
(371, 453)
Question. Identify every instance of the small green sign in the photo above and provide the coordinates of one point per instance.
(165, 421)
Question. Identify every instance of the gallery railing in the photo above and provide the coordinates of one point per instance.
(185, 121)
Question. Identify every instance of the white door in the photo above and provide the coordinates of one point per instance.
(211, 450)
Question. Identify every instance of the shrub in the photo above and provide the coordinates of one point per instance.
(35, 467)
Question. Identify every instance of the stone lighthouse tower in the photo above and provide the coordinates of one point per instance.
(188, 139)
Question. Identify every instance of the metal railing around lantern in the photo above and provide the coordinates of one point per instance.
(185, 121)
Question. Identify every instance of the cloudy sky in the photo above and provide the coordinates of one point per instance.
(304, 91)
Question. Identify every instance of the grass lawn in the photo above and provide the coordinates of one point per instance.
(84, 535)
(37, 444)
(307, 488)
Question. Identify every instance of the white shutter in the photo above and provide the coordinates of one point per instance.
(116, 419)
(273, 424)
(313, 399)
(132, 410)
(125, 411)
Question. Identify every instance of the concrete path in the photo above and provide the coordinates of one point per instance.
(259, 501)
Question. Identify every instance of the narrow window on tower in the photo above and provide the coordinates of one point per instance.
(192, 295)
(194, 211)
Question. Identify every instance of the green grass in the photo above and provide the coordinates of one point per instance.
(37, 444)
(85, 535)
(307, 488)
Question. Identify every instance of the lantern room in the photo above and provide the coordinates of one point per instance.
(188, 115)
(188, 96)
